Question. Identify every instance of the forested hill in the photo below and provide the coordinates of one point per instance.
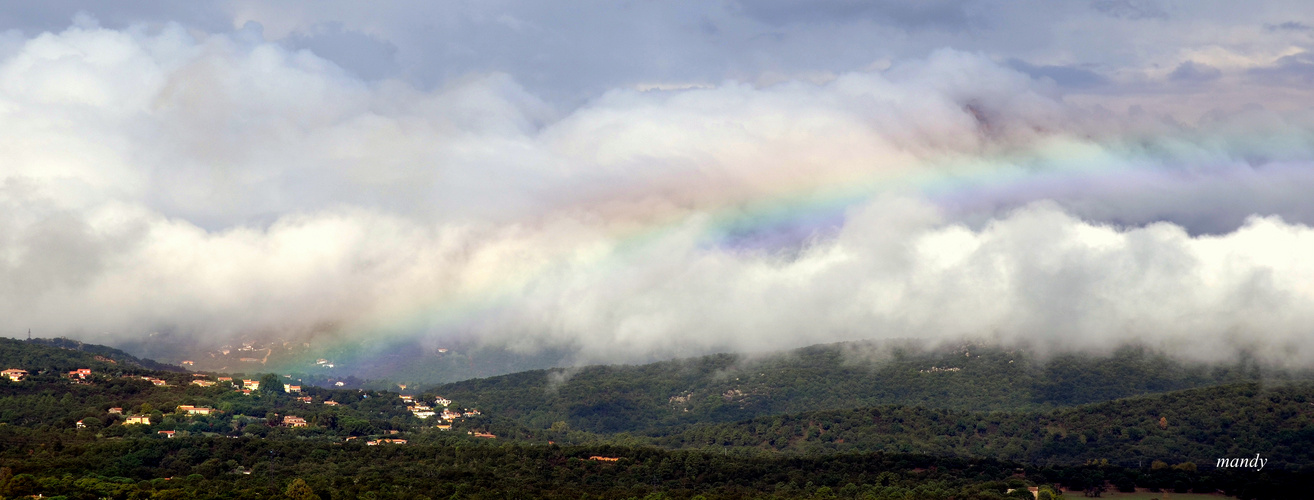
(655, 398)
(1196, 425)
(107, 352)
(66, 355)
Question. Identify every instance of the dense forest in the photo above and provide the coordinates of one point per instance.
(656, 398)
(815, 424)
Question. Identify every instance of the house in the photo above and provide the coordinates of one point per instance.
(196, 410)
(188, 362)
(339, 384)
(472, 413)
(81, 425)
(444, 427)
(486, 435)
(225, 379)
(421, 411)
(203, 383)
(157, 381)
(246, 392)
(306, 399)
(168, 434)
(116, 411)
(450, 415)
(250, 384)
(14, 374)
(292, 421)
(138, 419)
(80, 373)
(291, 388)
(604, 459)
(442, 402)
(385, 441)
(331, 403)
(407, 399)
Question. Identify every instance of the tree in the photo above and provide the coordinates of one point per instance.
(298, 489)
(270, 383)
(92, 423)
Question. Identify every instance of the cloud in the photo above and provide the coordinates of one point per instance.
(1130, 9)
(1066, 76)
(223, 184)
(1191, 71)
(1295, 68)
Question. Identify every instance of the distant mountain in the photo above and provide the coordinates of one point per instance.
(653, 399)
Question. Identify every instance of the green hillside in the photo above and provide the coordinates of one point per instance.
(1196, 425)
(655, 398)
(59, 439)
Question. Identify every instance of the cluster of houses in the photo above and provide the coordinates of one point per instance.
(159, 382)
(424, 411)
(936, 369)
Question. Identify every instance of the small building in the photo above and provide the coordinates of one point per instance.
(472, 413)
(604, 459)
(159, 382)
(116, 411)
(443, 402)
(225, 379)
(292, 421)
(306, 399)
(485, 435)
(188, 362)
(331, 403)
(167, 434)
(14, 374)
(203, 383)
(138, 419)
(291, 388)
(444, 427)
(81, 425)
(195, 410)
(250, 384)
(80, 373)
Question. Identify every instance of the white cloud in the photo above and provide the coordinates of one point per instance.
(220, 184)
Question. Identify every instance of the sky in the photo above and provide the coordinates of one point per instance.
(639, 179)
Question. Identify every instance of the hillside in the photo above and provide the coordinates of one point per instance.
(655, 398)
(58, 435)
(1195, 425)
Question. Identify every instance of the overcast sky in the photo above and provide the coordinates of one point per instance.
(631, 179)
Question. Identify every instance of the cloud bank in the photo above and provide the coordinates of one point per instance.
(219, 185)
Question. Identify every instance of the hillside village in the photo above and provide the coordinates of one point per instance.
(170, 405)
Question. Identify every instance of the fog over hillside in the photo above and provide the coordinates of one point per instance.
(1133, 172)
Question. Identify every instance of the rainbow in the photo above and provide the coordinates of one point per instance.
(957, 182)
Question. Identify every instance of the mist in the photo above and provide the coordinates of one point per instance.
(219, 185)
